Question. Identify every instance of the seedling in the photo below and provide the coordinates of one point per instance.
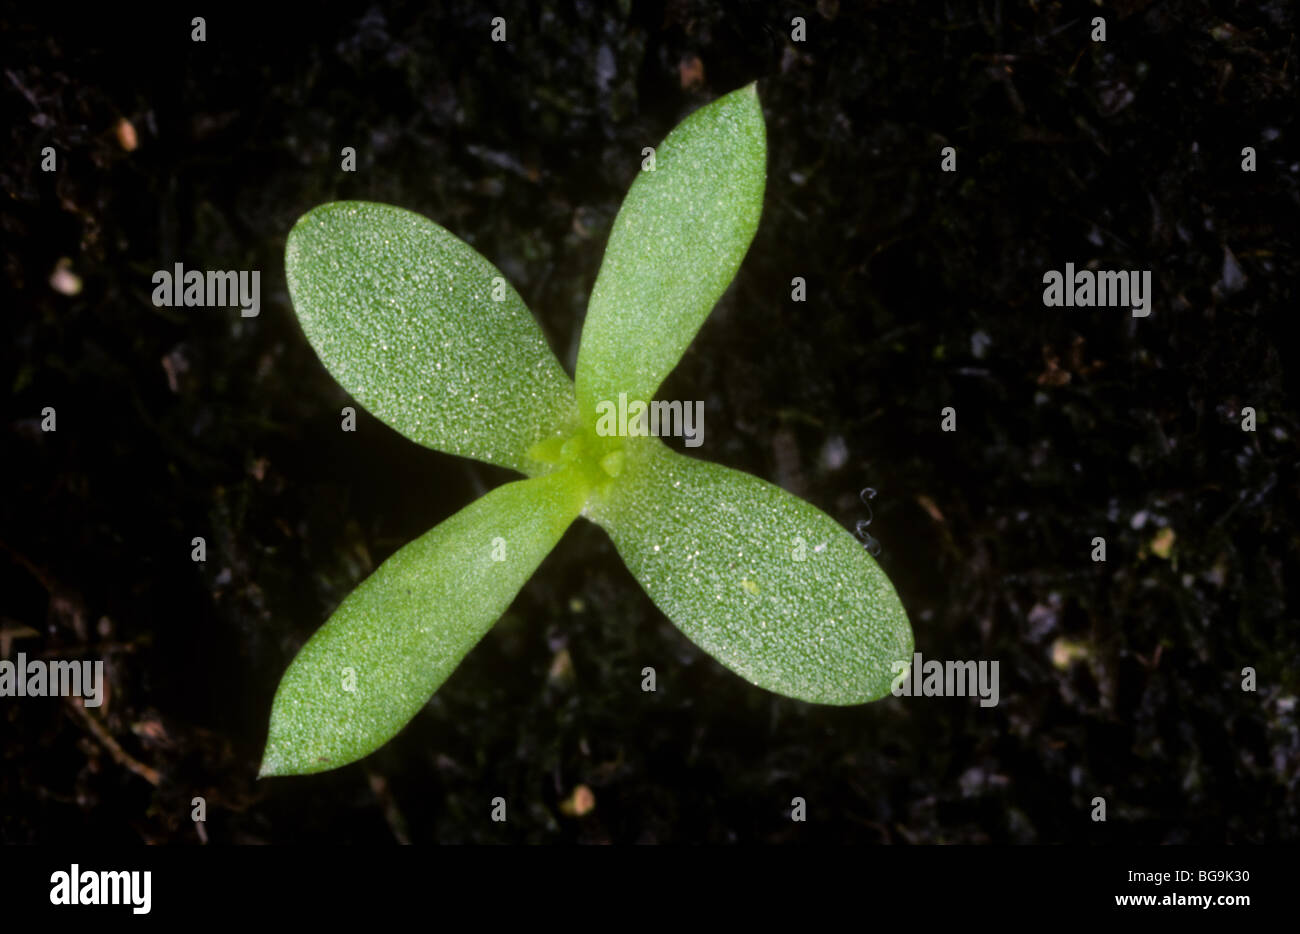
(427, 335)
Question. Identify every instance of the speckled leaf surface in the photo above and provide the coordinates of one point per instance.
(401, 312)
(675, 246)
(398, 636)
(766, 583)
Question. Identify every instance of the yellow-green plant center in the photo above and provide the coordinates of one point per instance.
(596, 459)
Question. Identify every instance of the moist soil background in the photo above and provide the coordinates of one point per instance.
(1120, 679)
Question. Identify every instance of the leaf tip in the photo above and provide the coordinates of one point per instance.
(272, 765)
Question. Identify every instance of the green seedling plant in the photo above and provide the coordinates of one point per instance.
(430, 338)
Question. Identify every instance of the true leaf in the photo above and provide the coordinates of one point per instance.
(398, 635)
(402, 314)
(675, 246)
(766, 583)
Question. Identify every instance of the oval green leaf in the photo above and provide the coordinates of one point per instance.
(397, 637)
(404, 316)
(675, 246)
(766, 583)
